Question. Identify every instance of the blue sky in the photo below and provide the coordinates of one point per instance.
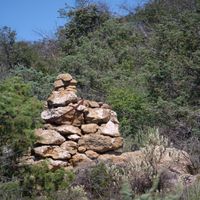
(30, 17)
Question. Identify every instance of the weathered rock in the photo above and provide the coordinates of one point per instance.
(113, 159)
(100, 143)
(81, 149)
(74, 137)
(113, 117)
(165, 158)
(26, 160)
(174, 159)
(54, 152)
(110, 129)
(91, 154)
(97, 115)
(89, 128)
(93, 104)
(70, 146)
(60, 89)
(67, 129)
(58, 84)
(81, 108)
(79, 160)
(77, 120)
(73, 87)
(48, 137)
(52, 115)
(63, 115)
(106, 106)
(73, 82)
(61, 98)
(56, 164)
(65, 77)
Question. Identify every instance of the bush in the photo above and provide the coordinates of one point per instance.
(132, 108)
(39, 180)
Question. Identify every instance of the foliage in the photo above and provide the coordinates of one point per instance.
(40, 83)
(7, 42)
(72, 193)
(19, 114)
(126, 191)
(10, 190)
(132, 108)
(145, 64)
(82, 20)
(192, 192)
(40, 180)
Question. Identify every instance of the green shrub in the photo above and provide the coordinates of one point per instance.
(39, 180)
(132, 108)
(20, 115)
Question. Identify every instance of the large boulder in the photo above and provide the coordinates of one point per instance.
(100, 143)
(48, 137)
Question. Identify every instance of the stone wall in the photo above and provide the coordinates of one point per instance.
(76, 130)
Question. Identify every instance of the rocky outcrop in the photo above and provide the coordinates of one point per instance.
(76, 131)
(80, 132)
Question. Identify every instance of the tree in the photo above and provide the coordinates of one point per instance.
(81, 21)
(7, 42)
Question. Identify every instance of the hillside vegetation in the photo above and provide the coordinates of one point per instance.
(145, 64)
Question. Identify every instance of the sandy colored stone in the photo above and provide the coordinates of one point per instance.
(89, 128)
(113, 117)
(81, 108)
(76, 120)
(61, 98)
(91, 154)
(174, 159)
(54, 152)
(113, 159)
(74, 137)
(71, 90)
(73, 87)
(60, 89)
(56, 164)
(100, 143)
(97, 115)
(110, 129)
(67, 129)
(106, 106)
(51, 115)
(81, 149)
(58, 84)
(65, 77)
(63, 115)
(48, 137)
(70, 146)
(73, 82)
(93, 104)
(80, 160)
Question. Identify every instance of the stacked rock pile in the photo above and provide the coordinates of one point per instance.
(76, 131)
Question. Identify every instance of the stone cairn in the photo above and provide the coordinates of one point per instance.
(76, 131)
